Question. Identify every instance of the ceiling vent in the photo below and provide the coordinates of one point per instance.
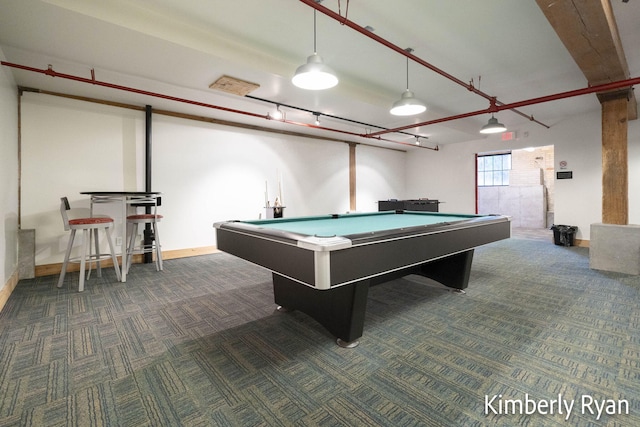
(234, 86)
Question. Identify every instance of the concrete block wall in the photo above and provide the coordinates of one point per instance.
(526, 204)
(540, 159)
(518, 177)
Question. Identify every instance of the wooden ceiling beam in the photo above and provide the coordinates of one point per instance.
(589, 31)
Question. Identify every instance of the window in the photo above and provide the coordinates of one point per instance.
(493, 169)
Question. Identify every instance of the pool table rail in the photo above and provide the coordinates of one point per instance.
(327, 262)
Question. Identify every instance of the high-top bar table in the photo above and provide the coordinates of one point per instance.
(125, 198)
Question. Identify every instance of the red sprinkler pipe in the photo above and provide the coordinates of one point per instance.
(309, 125)
(430, 122)
(376, 135)
(401, 51)
(606, 87)
(495, 108)
(50, 72)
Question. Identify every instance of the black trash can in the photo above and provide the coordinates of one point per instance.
(563, 234)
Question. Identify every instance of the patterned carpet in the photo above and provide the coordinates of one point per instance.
(201, 344)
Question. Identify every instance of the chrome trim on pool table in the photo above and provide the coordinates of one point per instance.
(322, 270)
(319, 243)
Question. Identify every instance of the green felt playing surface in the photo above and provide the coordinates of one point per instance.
(345, 225)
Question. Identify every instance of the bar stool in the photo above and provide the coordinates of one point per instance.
(151, 241)
(87, 225)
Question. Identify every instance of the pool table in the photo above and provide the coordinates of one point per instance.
(324, 265)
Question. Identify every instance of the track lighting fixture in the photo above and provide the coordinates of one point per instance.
(317, 122)
(367, 129)
(493, 126)
(315, 74)
(407, 105)
(278, 114)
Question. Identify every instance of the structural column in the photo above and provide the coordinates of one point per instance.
(615, 181)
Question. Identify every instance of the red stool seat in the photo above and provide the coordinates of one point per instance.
(90, 221)
(144, 217)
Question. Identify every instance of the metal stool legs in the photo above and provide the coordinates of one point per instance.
(86, 254)
(154, 246)
(87, 225)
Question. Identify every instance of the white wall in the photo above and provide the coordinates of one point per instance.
(8, 175)
(448, 174)
(69, 147)
(211, 173)
(206, 172)
(379, 177)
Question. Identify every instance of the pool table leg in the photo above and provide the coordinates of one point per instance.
(452, 271)
(340, 310)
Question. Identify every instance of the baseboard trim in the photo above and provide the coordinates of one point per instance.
(581, 243)
(54, 269)
(5, 292)
(184, 253)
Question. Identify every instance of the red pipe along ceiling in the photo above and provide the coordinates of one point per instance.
(494, 104)
(375, 135)
(50, 72)
(494, 108)
(401, 51)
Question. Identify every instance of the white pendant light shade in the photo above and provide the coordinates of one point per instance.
(407, 105)
(314, 75)
(493, 126)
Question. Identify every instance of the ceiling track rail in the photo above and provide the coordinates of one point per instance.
(344, 21)
(50, 72)
(318, 113)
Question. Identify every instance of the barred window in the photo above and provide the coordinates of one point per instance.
(493, 169)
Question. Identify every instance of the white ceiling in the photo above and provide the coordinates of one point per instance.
(179, 47)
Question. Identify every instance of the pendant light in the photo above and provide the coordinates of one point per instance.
(493, 126)
(315, 74)
(407, 105)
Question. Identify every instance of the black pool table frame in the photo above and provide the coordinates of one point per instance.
(330, 282)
